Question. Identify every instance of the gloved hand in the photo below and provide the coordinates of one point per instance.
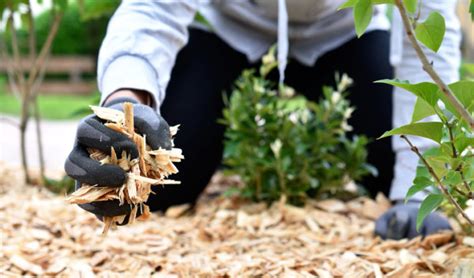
(400, 222)
(92, 133)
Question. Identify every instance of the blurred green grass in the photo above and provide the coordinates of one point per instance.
(52, 107)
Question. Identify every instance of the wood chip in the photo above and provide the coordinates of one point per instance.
(25, 265)
(437, 239)
(99, 258)
(332, 205)
(57, 266)
(464, 269)
(468, 241)
(108, 114)
(177, 211)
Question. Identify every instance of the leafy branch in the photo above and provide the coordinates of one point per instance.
(450, 165)
(428, 67)
(441, 186)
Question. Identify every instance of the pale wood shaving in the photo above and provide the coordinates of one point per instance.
(111, 115)
(174, 130)
(25, 265)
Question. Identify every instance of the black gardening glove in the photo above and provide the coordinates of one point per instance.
(400, 222)
(92, 133)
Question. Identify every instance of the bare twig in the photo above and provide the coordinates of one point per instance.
(24, 91)
(39, 141)
(33, 87)
(438, 180)
(32, 33)
(10, 68)
(455, 155)
(45, 50)
(428, 68)
(18, 71)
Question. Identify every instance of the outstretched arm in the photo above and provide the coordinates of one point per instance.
(142, 41)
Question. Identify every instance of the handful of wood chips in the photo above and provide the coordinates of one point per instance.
(152, 167)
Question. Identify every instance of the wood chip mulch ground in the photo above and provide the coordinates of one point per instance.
(42, 235)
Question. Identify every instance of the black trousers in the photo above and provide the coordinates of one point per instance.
(207, 66)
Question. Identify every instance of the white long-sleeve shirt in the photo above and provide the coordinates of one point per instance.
(144, 37)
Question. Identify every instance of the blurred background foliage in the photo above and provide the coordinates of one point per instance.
(82, 29)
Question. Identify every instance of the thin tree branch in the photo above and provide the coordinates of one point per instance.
(39, 138)
(428, 68)
(40, 60)
(31, 33)
(438, 180)
(10, 67)
(455, 155)
(16, 54)
(470, 193)
(451, 140)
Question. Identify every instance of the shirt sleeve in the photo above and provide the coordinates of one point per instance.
(407, 67)
(142, 41)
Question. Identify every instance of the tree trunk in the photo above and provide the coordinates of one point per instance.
(23, 125)
(39, 141)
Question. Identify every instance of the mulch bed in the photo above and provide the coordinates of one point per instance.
(43, 235)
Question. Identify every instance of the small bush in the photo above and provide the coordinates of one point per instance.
(280, 143)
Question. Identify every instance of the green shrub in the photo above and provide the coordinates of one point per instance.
(283, 144)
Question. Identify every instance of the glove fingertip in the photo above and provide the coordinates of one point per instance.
(381, 226)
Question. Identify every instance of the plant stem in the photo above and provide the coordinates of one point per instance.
(45, 50)
(451, 140)
(428, 68)
(438, 180)
(455, 155)
(32, 33)
(16, 64)
(39, 140)
(17, 68)
(10, 67)
(23, 124)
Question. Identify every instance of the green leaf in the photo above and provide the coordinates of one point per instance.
(3, 5)
(352, 3)
(426, 90)
(410, 5)
(422, 110)
(438, 164)
(376, 2)
(25, 20)
(453, 178)
(462, 142)
(431, 31)
(419, 184)
(60, 5)
(430, 130)
(347, 4)
(363, 11)
(471, 9)
(464, 91)
(429, 204)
